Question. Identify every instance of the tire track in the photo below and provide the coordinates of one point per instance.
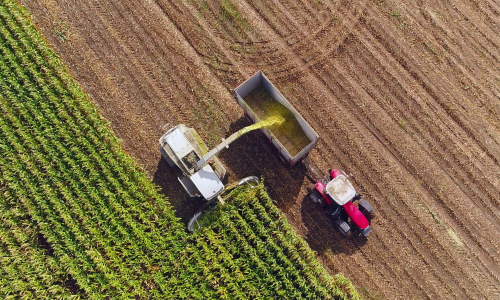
(476, 128)
(401, 158)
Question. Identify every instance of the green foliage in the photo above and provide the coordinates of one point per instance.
(80, 220)
(64, 171)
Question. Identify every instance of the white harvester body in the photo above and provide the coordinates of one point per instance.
(182, 150)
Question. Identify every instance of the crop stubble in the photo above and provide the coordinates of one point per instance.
(404, 96)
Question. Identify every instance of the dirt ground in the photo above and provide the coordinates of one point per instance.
(404, 95)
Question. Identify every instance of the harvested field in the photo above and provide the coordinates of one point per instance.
(404, 95)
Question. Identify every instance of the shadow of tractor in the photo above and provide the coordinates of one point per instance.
(322, 235)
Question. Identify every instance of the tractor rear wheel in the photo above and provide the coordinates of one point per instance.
(342, 226)
(366, 209)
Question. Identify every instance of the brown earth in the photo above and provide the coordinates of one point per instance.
(404, 94)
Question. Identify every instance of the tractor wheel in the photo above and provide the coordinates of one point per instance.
(316, 197)
(342, 226)
(366, 209)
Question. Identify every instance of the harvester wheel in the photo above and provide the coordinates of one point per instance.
(252, 181)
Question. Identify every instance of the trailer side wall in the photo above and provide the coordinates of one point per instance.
(258, 81)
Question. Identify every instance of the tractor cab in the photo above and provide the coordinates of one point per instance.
(340, 190)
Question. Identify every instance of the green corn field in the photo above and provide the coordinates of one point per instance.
(79, 219)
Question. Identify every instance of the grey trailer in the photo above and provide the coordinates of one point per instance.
(257, 95)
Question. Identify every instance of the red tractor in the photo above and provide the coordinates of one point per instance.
(337, 196)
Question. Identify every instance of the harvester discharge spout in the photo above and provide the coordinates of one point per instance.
(225, 142)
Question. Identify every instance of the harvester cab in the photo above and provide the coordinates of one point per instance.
(183, 149)
(337, 195)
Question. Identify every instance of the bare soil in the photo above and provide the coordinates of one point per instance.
(404, 94)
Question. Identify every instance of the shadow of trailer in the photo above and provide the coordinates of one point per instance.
(261, 99)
